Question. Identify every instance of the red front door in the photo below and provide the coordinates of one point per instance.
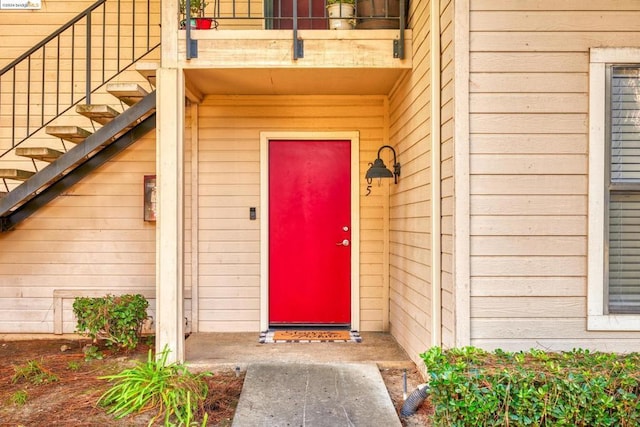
(309, 232)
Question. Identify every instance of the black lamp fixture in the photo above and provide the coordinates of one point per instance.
(379, 170)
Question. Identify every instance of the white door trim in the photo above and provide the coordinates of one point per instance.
(354, 137)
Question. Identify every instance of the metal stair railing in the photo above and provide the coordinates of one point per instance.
(78, 162)
(97, 45)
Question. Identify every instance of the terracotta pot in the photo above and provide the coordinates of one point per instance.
(378, 14)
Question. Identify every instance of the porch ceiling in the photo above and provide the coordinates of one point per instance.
(286, 81)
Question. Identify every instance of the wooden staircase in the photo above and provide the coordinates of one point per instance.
(90, 149)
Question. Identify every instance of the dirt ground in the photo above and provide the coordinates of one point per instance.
(71, 400)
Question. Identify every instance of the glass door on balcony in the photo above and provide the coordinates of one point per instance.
(311, 14)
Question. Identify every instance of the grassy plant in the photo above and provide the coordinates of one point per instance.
(73, 366)
(115, 319)
(19, 398)
(33, 372)
(470, 386)
(170, 389)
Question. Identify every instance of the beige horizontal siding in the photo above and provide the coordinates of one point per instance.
(528, 161)
(552, 5)
(92, 236)
(447, 174)
(529, 62)
(410, 221)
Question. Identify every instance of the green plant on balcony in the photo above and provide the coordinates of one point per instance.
(196, 8)
(196, 12)
(330, 2)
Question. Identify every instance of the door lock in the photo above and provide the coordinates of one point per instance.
(345, 242)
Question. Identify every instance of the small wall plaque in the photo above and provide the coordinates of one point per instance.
(150, 198)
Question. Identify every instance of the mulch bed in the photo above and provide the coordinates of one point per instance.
(71, 400)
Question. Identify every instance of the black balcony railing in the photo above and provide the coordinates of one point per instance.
(298, 15)
(310, 14)
(67, 66)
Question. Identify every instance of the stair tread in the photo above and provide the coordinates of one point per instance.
(45, 154)
(99, 113)
(148, 71)
(17, 174)
(129, 93)
(73, 134)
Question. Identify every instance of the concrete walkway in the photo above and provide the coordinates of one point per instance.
(305, 384)
(314, 395)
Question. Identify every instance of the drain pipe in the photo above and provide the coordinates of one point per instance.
(436, 178)
(414, 400)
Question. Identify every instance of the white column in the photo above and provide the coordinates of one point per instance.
(170, 221)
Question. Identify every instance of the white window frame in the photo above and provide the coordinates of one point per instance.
(597, 320)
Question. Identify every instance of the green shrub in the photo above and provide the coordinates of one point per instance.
(115, 319)
(170, 389)
(579, 388)
(92, 352)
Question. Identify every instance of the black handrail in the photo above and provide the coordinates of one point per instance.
(80, 34)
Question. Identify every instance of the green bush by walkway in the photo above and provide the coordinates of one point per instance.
(472, 387)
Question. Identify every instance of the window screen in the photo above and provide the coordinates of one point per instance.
(624, 190)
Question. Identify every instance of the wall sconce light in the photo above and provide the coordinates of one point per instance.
(378, 169)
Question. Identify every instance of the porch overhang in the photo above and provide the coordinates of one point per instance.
(239, 62)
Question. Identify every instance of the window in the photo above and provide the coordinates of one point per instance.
(614, 189)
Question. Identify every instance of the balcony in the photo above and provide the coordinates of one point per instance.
(289, 47)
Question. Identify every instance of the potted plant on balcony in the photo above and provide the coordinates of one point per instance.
(196, 9)
(341, 14)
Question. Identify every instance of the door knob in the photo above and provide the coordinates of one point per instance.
(345, 242)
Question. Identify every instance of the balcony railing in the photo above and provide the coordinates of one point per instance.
(307, 14)
(297, 15)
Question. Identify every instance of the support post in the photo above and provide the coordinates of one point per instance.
(398, 44)
(170, 221)
(298, 44)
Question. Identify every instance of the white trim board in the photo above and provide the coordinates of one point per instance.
(597, 320)
(354, 137)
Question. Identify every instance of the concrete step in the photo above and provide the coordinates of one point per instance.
(73, 134)
(129, 93)
(45, 154)
(102, 114)
(148, 71)
(16, 174)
